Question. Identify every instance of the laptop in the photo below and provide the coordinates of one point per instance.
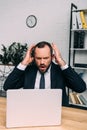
(33, 107)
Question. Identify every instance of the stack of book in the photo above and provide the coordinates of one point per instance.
(76, 98)
(79, 38)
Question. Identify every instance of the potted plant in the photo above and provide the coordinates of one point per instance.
(13, 53)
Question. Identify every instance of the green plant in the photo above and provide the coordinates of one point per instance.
(13, 53)
(5, 58)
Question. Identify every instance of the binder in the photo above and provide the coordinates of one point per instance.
(79, 39)
(85, 41)
(76, 39)
(79, 22)
(74, 20)
(82, 15)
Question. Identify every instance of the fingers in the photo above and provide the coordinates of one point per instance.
(54, 46)
(29, 51)
(56, 50)
(28, 57)
(31, 48)
(58, 57)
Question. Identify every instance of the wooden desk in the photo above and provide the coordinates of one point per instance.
(72, 119)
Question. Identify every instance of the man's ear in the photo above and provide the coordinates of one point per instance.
(32, 53)
(53, 57)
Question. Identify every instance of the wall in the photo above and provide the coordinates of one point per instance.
(53, 18)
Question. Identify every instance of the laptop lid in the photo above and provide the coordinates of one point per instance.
(33, 107)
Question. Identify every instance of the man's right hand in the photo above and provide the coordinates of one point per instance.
(28, 58)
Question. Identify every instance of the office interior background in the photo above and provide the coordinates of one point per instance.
(53, 25)
(53, 22)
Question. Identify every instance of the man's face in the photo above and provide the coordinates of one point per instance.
(43, 58)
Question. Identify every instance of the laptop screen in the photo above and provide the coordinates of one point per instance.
(33, 107)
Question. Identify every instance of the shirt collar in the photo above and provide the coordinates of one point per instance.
(48, 71)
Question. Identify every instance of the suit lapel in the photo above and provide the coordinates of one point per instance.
(53, 76)
(30, 78)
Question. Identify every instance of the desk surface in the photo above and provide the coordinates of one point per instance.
(72, 119)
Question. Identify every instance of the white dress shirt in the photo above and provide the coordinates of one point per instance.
(47, 79)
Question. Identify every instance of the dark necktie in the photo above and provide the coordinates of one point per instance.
(42, 81)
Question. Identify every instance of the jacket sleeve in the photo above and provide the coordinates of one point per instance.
(15, 80)
(73, 80)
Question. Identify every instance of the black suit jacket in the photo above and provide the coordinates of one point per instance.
(59, 79)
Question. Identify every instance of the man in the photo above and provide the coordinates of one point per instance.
(39, 60)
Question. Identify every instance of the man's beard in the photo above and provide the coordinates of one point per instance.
(42, 65)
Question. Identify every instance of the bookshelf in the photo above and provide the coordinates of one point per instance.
(78, 52)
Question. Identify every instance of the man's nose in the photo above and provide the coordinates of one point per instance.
(42, 61)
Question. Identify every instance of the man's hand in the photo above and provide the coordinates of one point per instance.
(28, 58)
(57, 56)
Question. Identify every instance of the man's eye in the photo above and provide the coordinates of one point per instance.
(46, 57)
(42, 58)
(38, 58)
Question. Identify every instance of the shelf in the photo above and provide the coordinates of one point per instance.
(73, 30)
(77, 46)
(78, 106)
(78, 49)
(78, 10)
(80, 68)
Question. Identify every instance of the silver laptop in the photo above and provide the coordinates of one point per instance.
(33, 107)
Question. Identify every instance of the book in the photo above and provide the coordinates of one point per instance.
(79, 22)
(79, 38)
(85, 41)
(74, 20)
(76, 38)
(74, 98)
(79, 99)
(83, 20)
(83, 99)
